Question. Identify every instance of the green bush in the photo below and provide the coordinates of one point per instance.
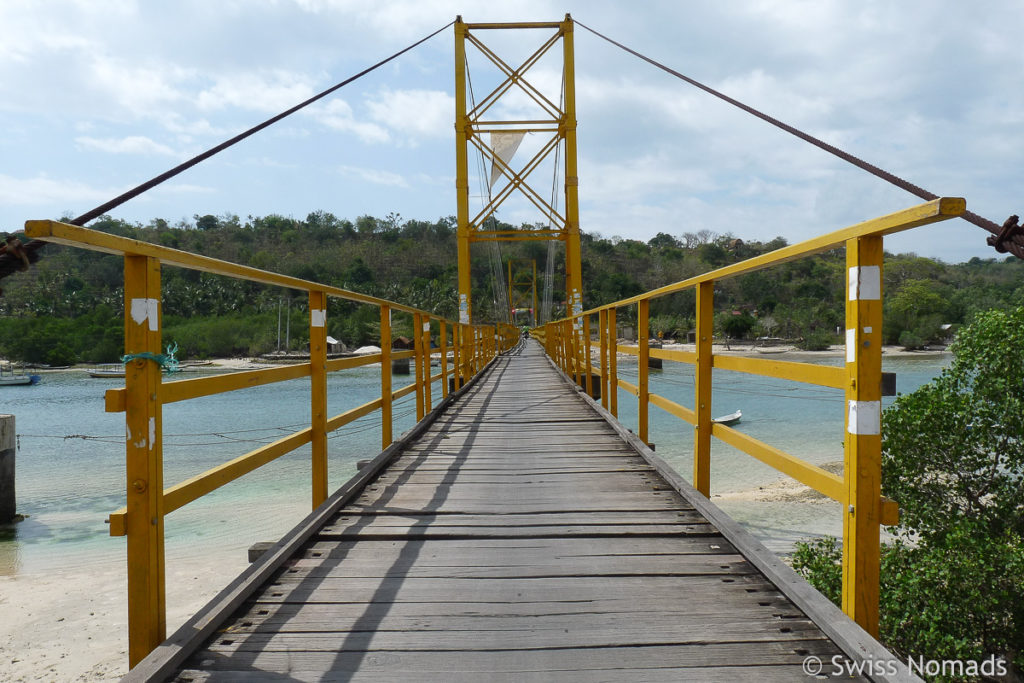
(952, 585)
(816, 340)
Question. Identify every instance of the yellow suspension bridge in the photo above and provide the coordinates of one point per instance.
(519, 531)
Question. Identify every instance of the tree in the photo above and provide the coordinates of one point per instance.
(734, 326)
(975, 410)
(915, 313)
(953, 457)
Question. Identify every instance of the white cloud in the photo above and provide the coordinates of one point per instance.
(179, 189)
(338, 115)
(43, 190)
(414, 114)
(186, 129)
(374, 176)
(138, 89)
(133, 144)
(270, 91)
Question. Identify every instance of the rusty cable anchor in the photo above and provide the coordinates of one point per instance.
(1009, 229)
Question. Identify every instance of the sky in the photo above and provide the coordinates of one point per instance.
(97, 96)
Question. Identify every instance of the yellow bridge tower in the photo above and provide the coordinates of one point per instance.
(496, 138)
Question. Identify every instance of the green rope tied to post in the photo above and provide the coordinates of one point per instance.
(167, 361)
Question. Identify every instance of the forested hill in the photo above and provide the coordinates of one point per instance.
(68, 306)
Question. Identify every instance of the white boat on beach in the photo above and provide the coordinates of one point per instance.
(107, 371)
(730, 419)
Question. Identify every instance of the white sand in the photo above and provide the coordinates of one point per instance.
(71, 624)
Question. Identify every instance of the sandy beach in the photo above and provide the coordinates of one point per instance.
(70, 624)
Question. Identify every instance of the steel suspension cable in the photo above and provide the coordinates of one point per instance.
(150, 184)
(6, 269)
(1005, 239)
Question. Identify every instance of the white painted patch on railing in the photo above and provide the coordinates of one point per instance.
(865, 283)
(317, 317)
(152, 433)
(851, 346)
(865, 418)
(142, 310)
(426, 326)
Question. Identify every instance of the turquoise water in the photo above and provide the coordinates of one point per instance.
(803, 420)
(68, 484)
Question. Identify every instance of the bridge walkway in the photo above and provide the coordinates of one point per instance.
(521, 535)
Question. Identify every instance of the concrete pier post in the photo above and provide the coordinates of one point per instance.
(8, 507)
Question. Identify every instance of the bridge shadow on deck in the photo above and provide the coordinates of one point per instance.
(518, 538)
(355, 647)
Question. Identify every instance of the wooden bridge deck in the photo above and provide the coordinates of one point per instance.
(520, 536)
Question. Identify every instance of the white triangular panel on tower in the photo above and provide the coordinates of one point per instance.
(504, 146)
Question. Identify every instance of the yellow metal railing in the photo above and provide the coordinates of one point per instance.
(569, 342)
(144, 395)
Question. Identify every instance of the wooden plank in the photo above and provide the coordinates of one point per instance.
(398, 663)
(554, 634)
(292, 588)
(419, 566)
(711, 662)
(719, 674)
(325, 618)
(412, 530)
(484, 506)
(596, 546)
(672, 607)
(513, 519)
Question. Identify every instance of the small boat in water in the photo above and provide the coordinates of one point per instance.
(108, 371)
(730, 419)
(11, 376)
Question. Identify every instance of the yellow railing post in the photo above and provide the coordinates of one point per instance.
(318, 393)
(555, 343)
(613, 364)
(147, 614)
(443, 344)
(863, 469)
(570, 348)
(602, 324)
(386, 429)
(417, 345)
(643, 387)
(587, 367)
(427, 383)
(459, 353)
(578, 341)
(702, 382)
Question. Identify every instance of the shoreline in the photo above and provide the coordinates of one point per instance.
(747, 350)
